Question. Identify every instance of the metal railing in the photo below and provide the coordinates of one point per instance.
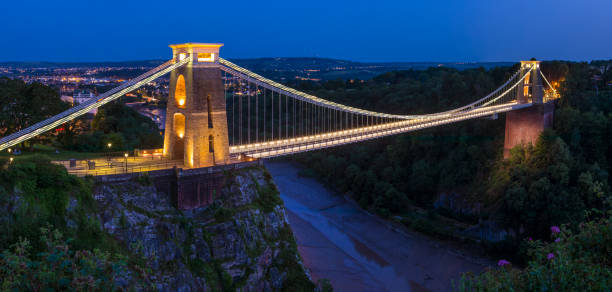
(116, 166)
(272, 149)
(342, 134)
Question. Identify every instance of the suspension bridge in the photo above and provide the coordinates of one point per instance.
(221, 113)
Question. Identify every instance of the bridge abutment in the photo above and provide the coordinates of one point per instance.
(186, 188)
(525, 125)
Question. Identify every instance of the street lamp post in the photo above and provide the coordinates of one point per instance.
(108, 158)
(126, 156)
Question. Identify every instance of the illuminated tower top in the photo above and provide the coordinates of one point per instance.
(531, 90)
(203, 53)
(530, 63)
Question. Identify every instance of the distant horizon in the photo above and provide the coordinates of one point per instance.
(295, 57)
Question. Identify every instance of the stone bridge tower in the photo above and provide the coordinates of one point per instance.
(524, 126)
(196, 122)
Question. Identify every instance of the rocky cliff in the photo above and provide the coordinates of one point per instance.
(241, 242)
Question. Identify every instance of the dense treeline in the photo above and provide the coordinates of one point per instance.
(412, 91)
(24, 104)
(391, 173)
(114, 123)
(565, 176)
(553, 182)
(561, 180)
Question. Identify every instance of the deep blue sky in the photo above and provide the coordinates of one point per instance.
(402, 30)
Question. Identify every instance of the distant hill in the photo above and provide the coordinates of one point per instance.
(323, 68)
(280, 68)
(142, 63)
(325, 63)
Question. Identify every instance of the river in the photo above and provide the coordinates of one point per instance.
(360, 252)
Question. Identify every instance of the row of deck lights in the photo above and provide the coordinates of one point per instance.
(334, 134)
(321, 145)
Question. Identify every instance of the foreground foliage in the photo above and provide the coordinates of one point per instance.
(58, 267)
(571, 262)
(42, 206)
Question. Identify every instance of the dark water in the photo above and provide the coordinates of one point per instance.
(357, 251)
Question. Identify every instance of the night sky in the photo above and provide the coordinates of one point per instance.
(426, 30)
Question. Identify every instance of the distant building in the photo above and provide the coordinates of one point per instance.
(81, 96)
(67, 98)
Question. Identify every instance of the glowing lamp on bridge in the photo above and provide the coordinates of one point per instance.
(181, 102)
(206, 57)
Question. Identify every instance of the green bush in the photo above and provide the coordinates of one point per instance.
(43, 197)
(268, 198)
(57, 267)
(571, 262)
(296, 280)
(40, 191)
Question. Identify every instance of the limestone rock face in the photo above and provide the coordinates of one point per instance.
(232, 244)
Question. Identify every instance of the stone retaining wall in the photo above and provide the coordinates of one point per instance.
(187, 188)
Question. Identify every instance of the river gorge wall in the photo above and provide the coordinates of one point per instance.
(242, 241)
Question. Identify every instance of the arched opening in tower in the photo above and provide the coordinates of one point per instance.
(179, 93)
(179, 139)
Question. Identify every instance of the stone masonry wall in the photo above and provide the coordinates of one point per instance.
(524, 126)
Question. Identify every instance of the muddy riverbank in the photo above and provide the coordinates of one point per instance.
(359, 252)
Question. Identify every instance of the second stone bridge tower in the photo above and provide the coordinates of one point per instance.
(524, 126)
(196, 122)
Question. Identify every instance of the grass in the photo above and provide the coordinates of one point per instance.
(50, 152)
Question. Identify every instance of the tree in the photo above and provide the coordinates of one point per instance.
(26, 104)
(121, 126)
